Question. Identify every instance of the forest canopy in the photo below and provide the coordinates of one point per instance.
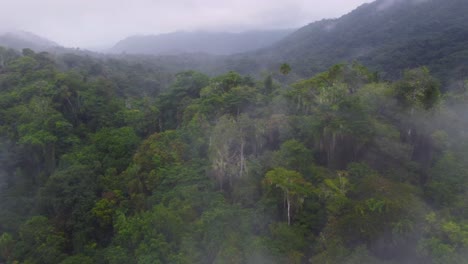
(111, 161)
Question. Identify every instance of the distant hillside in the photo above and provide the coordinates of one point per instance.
(199, 42)
(21, 39)
(386, 35)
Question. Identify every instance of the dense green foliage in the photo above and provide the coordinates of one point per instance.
(387, 36)
(104, 161)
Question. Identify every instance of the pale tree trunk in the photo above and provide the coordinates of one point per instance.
(242, 161)
(220, 167)
(288, 200)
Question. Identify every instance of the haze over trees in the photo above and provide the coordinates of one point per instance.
(21, 40)
(386, 36)
(121, 160)
(199, 42)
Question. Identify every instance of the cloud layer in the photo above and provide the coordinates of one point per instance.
(87, 23)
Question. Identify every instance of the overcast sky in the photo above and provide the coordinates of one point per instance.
(92, 23)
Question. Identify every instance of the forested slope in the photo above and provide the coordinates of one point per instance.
(103, 161)
(21, 39)
(387, 36)
(215, 43)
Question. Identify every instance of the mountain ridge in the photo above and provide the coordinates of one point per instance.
(24, 39)
(216, 43)
(385, 35)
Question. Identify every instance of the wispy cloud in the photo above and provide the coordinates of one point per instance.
(96, 22)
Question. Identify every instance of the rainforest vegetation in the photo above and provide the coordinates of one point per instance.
(110, 161)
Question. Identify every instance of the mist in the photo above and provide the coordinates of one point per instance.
(234, 132)
(89, 24)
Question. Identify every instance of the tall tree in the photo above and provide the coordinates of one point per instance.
(295, 188)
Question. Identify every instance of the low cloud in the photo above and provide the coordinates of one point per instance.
(90, 23)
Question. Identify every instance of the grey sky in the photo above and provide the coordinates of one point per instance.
(87, 23)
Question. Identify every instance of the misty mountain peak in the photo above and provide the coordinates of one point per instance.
(386, 4)
(385, 34)
(217, 43)
(23, 39)
(28, 36)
